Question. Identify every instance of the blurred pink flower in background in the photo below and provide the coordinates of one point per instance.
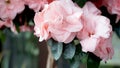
(113, 7)
(8, 23)
(10, 8)
(25, 28)
(96, 28)
(59, 20)
(36, 5)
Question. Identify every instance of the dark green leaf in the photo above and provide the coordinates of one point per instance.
(83, 57)
(56, 48)
(76, 42)
(2, 36)
(75, 64)
(93, 61)
(69, 51)
(80, 2)
(79, 57)
(78, 49)
(50, 42)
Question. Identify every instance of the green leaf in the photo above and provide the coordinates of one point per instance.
(69, 51)
(93, 61)
(50, 42)
(80, 2)
(78, 49)
(75, 64)
(83, 57)
(76, 42)
(2, 36)
(56, 48)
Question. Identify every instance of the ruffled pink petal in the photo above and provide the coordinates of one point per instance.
(89, 7)
(70, 38)
(73, 25)
(89, 44)
(105, 50)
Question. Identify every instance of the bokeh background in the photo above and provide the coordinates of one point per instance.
(24, 51)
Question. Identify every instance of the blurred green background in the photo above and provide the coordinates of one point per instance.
(19, 50)
(22, 50)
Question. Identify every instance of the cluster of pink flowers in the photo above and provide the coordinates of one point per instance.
(10, 8)
(64, 20)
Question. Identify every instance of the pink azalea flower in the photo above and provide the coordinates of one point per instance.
(36, 5)
(96, 28)
(10, 8)
(104, 50)
(59, 20)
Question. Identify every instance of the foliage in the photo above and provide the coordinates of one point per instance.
(74, 54)
(20, 50)
(56, 48)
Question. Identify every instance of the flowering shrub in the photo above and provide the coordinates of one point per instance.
(72, 28)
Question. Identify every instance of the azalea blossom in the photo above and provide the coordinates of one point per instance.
(36, 5)
(59, 20)
(10, 8)
(96, 28)
(104, 49)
